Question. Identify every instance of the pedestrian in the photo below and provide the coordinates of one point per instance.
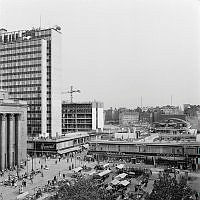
(196, 196)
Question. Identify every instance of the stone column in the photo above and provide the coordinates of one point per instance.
(11, 140)
(3, 142)
(17, 140)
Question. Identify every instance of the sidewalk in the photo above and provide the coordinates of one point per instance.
(10, 193)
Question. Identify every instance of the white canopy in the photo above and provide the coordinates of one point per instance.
(121, 166)
(103, 173)
(121, 176)
(114, 182)
(109, 188)
(106, 165)
(124, 182)
(92, 173)
(78, 169)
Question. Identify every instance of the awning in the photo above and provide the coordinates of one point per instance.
(78, 169)
(173, 158)
(121, 166)
(23, 195)
(104, 173)
(121, 176)
(124, 183)
(109, 188)
(114, 182)
(86, 146)
(44, 196)
(69, 150)
(106, 165)
(92, 173)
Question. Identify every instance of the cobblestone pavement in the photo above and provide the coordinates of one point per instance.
(10, 193)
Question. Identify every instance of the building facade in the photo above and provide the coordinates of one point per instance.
(13, 131)
(30, 68)
(62, 145)
(128, 117)
(82, 117)
(179, 153)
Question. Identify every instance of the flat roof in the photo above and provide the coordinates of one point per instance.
(144, 143)
(68, 136)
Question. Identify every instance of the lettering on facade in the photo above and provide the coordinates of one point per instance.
(48, 146)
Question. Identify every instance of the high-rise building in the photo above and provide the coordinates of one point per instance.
(30, 68)
(82, 116)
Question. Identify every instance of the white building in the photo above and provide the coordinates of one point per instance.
(30, 67)
(82, 117)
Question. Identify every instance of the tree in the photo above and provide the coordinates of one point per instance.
(83, 189)
(169, 188)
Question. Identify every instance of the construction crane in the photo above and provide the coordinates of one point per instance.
(72, 90)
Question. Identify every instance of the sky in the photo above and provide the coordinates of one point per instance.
(117, 51)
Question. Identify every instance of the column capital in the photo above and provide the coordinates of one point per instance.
(12, 116)
(4, 116)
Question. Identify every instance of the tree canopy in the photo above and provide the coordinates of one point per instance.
(169, 188)
(83, 189)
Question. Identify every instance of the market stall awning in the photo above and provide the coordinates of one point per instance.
(78, 169)
(86, 146)
(121, 166)
(109, 188)
(106, 165)
(121, 176)
(114, 182)
(92, 173)
(104, 173)
(125, 183)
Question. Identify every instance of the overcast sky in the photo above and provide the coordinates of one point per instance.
(116, 51)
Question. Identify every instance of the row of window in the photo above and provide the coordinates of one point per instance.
(21, 64)
(20, 57)
(14, 53)
(21, 60)
(22, 45)
(18, 83)
(23, 76)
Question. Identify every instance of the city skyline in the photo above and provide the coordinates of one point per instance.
(116, 51)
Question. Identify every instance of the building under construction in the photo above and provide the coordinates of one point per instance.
(82, 117)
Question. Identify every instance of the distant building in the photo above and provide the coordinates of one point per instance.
(30, 67)
(165, 113)
(171, 110)
(13, 131)
(111, 116)
(82, 117)
(128, 117)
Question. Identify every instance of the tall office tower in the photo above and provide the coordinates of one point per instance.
(30, 68)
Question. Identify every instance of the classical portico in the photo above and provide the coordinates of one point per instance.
(13, 132)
